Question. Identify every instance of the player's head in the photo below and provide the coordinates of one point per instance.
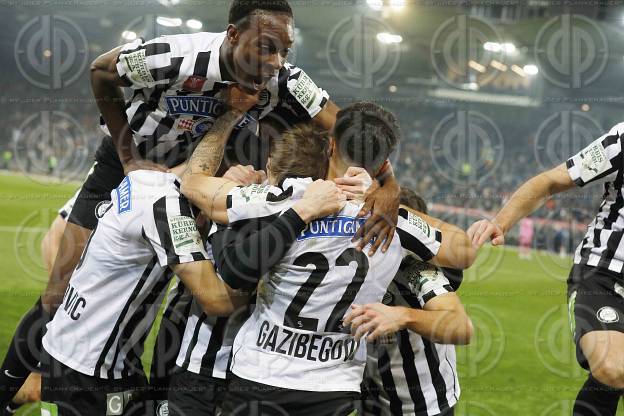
(412, 200)
(259, 36)
(365, 134)
(302, 151)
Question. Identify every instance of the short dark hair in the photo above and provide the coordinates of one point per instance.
(412, 200)
(240, 10)
(302, 151)
(366, 134)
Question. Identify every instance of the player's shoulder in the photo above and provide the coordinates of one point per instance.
(142, 189)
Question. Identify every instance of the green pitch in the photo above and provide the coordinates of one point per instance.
(521, 361)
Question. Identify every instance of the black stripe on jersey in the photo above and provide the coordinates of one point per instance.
(193, 342)
(383, 364)
(157, 49)
(413, 244)
(433, 361)
(215, 344)
(132, 361)
(578, 181)
(141, 46)
(135, 292)
(409, 368)
(407, 294)
(169, 72)
(201, 64)
(431, 295)
(271, 197)
(162, 226)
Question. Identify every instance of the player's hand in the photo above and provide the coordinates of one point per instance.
(376, 320)
(240, 98)
(383, 202)
(321, 198)
(484, 230)
(245, 175)
(355, 183)
(142, 164)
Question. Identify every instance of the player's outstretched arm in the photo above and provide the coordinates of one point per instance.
(443, 320)
(527, 199)
(454, 249)
(213, 294)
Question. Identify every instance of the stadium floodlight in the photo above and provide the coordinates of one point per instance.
(169, 21)
(507, 47)
(477, 66)
(389, 38)
(498, 65)
(169, 2)
(194, 24)
(518, 70)
(397, 4)
(531, 69)
(375, 4)
(128, 35)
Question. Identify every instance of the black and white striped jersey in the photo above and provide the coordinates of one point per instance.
(176, 84)
(603, 245)
(294, 338)
(118, 286)
(409, 374)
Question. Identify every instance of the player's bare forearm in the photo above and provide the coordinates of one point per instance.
(450, 326)
(456, 250)
(327, 117)
(532, 195)
(208, 155)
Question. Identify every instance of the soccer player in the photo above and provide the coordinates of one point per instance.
(595, 284)
(293, 354)
(176, 84)
(411, 367)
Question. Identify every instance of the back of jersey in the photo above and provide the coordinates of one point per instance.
(295, 337)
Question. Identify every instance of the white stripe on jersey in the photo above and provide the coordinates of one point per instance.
(602, 245)
(122, 277)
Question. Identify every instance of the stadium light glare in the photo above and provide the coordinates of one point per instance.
(518, 70)
(477, 66)
(498, 65)
(375, 4)
(128, 35)
(397, 4)
(531, 69)
(169, 21)
(194, 24)
(389, 38)
(507, 47)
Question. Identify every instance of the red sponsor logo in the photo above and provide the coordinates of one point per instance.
(194, 83)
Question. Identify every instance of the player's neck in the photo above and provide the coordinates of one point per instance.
(225, 61)
(336, 169)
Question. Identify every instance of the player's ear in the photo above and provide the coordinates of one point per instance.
(233, 34)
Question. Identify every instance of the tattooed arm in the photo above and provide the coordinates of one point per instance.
(198, 184)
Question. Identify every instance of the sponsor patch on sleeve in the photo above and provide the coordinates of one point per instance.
(592, 161)
(305, 91)
(135, 67)
(419, 223)
(184, 235)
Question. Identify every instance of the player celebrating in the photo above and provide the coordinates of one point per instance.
(177, 83)
(295, 337)
(595, 282)
(411, 367)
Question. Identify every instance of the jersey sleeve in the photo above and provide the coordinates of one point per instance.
(424, 280)
(601, 158)
(299, 95)
(171, 230)
(256, 201)
(417, 236)
(146, 64)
